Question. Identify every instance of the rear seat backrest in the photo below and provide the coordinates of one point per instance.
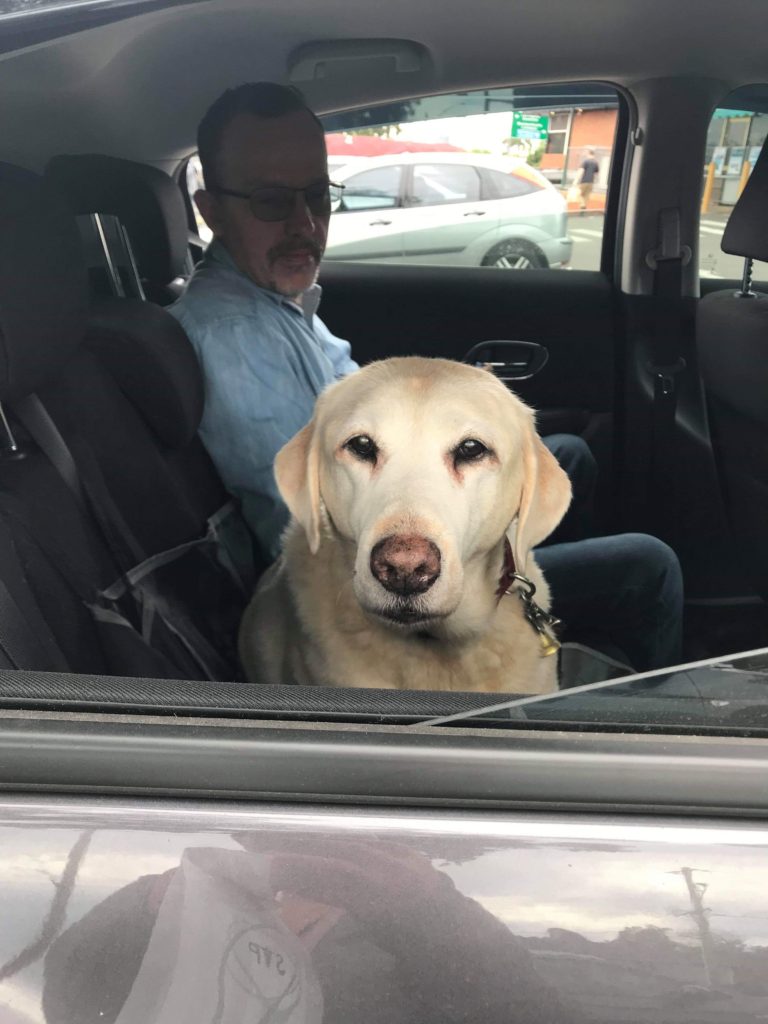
(125, 394)
(148, 204)
(732, 340)
(43, 313)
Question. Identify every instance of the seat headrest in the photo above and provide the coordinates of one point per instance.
(43, 283)
(746, 233)
(146, 200)
(149, 355)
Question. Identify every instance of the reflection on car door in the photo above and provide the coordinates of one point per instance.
(445, 213)
(368, 224)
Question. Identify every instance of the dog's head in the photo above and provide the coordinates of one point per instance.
(420, 466)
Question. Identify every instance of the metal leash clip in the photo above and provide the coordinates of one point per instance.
(544, 623)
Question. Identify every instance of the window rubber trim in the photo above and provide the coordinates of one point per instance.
(337, 764)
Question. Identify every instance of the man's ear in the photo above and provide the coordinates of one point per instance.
(208, 205)
(545, 497)
(297, 471)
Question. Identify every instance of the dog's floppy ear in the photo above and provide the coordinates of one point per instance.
(545, 497)
(297, 471)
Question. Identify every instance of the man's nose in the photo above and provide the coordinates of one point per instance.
(301, 217)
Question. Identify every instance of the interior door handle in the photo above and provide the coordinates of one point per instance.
(509, 360)
(475, 213)
(377, 223)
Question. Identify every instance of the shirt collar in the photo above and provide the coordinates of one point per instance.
(309, 299)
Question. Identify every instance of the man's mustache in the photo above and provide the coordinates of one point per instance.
(297, 245)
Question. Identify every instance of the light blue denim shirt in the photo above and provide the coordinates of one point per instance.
(265, 359)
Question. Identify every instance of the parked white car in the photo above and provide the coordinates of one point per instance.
(448, 208)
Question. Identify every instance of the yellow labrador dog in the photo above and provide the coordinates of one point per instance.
(417, 490)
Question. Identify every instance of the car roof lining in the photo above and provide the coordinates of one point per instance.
(26, 28)
(137, 87)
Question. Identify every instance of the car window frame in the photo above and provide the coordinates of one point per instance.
(625, 139)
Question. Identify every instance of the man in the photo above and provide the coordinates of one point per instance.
(585, 179)
(250, 312)
(249, 308)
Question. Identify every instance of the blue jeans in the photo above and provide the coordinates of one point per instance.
(621, 593)
(576, 458)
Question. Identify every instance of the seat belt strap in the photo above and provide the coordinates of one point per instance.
(666, 346)
(667, 262)
(96, 502)
(34, 416)
(120, 541)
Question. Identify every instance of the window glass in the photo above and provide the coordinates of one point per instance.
(557, 133)
(497, 185)
(559, 122)
(734, 140)
(539, 157)
(446, 183)
(376, 189)
(195, 182)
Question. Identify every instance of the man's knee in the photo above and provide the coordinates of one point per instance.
(573, 453)
(654, 563)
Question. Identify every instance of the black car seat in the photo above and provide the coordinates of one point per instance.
(732, 337)
(119, 526)
(146, 202)
(39, 329)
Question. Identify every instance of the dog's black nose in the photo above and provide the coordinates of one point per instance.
(405, 564)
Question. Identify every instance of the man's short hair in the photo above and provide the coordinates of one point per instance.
(262, 99)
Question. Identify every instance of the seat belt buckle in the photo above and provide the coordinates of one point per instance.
(665, 377)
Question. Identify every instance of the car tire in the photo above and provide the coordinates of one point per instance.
(515, 254)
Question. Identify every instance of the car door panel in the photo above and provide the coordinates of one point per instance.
(366, 235)
(377, 880)
(368, 224)
(441, 224)
(444, 311)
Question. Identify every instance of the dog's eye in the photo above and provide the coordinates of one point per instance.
(470, 450)
(363, 447)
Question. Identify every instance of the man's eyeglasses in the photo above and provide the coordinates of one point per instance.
(278, 201)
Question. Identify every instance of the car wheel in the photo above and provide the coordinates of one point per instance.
(516, 254)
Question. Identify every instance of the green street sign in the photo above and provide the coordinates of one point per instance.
(529, 126)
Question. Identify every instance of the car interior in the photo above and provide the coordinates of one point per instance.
(124, 564)
(180, 844)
